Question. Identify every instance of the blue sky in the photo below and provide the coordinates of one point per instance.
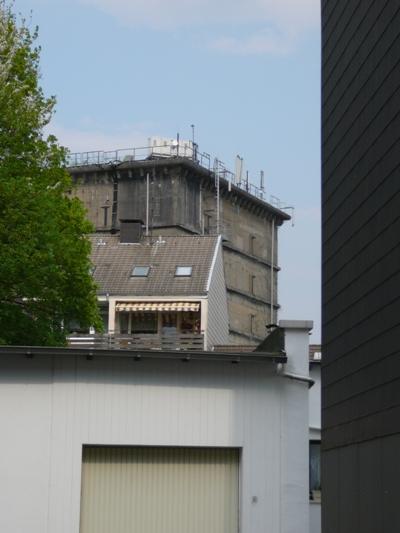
(246, 73)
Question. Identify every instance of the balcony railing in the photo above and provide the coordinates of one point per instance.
(143, 341)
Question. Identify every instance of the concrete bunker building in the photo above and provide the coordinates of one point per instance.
(176, 190)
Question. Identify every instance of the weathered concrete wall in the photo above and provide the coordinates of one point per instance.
(247, 275)
(173, 197)
(249, 271)
(247, 318)
(180, 203)
(253, 280)
(250, 232)
(96, 192)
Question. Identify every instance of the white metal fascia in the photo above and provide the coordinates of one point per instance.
(157, 298)
(217, 248)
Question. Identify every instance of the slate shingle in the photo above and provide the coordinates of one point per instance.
(114, 263)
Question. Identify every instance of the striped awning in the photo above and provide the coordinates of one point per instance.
(157, 306)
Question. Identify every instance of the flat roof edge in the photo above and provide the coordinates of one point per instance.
(183, 355)
(174, 161)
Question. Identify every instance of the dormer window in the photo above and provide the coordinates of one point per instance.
(140, 272)
(183, 271)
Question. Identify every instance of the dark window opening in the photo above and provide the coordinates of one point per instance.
(252, 239)
(169, 324)
(252, 284)
(315, 470)
(207, 223)
(105, 214)
(252, 324)
(190, 322)
(124, 323)
(144, 323)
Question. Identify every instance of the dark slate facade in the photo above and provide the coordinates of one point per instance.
(361, 266)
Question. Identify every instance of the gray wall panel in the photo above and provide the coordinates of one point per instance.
(370, 487)
(368, 501)
(361, 265)
(348, 493)
(390, 466)
(330, 488)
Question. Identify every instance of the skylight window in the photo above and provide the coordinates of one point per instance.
(183, 271)
(140, 271)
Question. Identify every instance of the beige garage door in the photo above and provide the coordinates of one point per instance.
(159, 490)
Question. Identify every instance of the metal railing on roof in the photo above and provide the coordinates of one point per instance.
(140, 153)
(166, 151)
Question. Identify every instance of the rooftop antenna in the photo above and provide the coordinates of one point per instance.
(216, 177)
(151, 201)
(262, 187)
(193, 143)
(238, 170)
(147, 202)
(288, 208)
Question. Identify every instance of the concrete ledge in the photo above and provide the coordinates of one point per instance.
(296, 324)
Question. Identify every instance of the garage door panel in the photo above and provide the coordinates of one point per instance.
(159, 490)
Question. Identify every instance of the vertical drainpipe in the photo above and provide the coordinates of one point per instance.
(147, 203)
(201, 210)
(272, 269)
(218, 207)
(114, 207)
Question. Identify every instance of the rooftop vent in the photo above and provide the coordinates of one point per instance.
(130, 231)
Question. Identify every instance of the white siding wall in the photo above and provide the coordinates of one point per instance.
(51, 406)
(218, 320)
(315, 434)
(315, 402)
(315, 517)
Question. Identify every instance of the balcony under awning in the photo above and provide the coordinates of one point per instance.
(157, 306)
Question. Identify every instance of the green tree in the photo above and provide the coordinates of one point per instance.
(45, 278)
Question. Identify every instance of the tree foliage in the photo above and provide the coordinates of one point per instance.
(45, 278)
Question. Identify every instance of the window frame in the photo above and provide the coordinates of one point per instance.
(137, 275)
(178, 275)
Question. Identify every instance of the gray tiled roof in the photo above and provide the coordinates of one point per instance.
(114, 262)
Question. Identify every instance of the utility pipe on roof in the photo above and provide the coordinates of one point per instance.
(295, 377)
(272, 269)
(114, 207)
(201, 221)
(147, 203)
